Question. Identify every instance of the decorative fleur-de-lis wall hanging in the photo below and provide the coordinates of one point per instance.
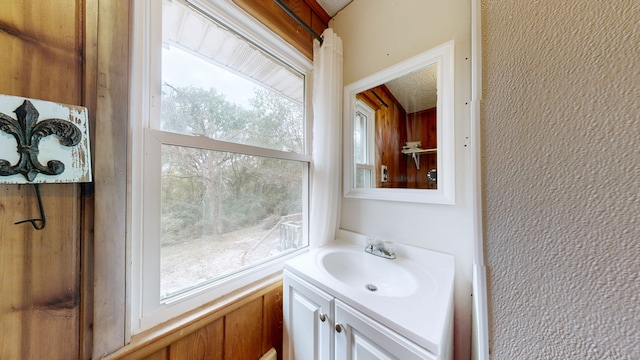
(44, 142)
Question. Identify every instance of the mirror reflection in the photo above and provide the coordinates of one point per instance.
(398, 131)
(395, 132)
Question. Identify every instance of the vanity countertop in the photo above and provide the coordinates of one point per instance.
(420, 310)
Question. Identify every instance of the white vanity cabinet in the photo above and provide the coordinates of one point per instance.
(319, 326)
(358, 337)
(308, 321)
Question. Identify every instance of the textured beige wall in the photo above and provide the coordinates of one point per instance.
(561, 177)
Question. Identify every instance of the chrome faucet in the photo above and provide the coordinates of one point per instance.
(378, 248)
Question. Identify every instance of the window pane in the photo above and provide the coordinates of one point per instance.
(217, 84)
(360, 138)
(363, 178)
(222, 212)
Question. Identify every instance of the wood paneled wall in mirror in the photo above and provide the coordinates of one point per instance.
(423, 125)
(394, 128)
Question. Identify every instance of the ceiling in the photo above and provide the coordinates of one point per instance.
(333, 6)
(418, 90)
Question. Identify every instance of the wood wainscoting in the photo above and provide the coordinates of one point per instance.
(243, 329)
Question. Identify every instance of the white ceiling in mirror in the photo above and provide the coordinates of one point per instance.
(416, 91)
(333, 6)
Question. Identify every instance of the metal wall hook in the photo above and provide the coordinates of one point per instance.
(67, 160)
(38, 224)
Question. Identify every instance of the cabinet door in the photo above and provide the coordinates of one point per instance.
(358, 337)
(308, 325)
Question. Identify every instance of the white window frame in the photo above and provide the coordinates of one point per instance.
(146, 308)
(369, 113)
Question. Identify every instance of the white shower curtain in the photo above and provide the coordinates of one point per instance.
(327, 139)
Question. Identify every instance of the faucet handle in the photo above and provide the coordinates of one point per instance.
(388, 247)
(372, 246)
(372, 243)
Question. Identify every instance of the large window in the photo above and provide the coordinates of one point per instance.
(225, 162)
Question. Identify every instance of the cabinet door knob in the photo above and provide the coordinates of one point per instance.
(323, 317)
(339, 327)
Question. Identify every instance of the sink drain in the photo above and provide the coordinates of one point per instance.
(372, 287)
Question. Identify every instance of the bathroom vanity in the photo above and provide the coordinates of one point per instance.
(341, 302)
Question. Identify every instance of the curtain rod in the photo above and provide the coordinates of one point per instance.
(379, 98)
(298, 20)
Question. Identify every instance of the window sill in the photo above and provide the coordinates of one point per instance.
(160, 336)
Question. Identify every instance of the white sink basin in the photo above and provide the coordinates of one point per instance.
(369, 273)
(414, 295)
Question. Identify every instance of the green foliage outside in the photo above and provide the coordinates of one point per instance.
(212, 192)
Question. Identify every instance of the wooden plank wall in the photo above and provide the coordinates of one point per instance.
(244, 330)
(422, 126)
(276, 19)
(42, 57)
(110, 21)
(390, 136)
(393, 128)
